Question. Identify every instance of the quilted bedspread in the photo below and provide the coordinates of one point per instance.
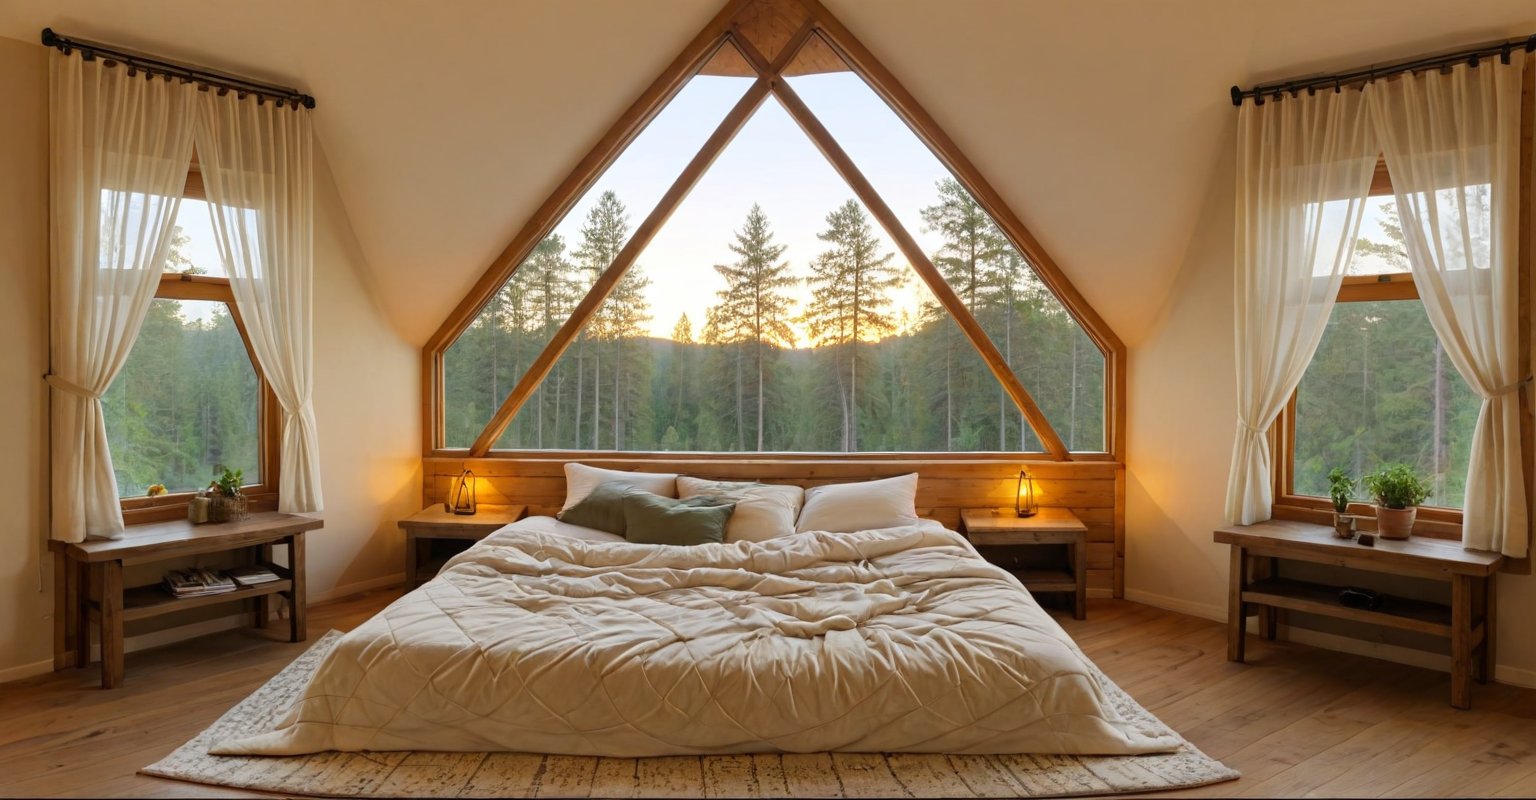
(890, 640)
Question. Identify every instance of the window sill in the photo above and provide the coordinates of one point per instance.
(144, 510)
(1431, 522)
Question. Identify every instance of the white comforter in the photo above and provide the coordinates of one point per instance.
(900, 639)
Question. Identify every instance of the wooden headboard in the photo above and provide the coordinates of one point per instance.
(1094, 490)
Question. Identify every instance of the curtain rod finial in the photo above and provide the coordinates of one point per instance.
(50, 39)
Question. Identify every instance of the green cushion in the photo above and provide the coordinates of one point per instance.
(601, 510)
(653, 519)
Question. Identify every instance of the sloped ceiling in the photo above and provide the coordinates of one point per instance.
(1099, 121)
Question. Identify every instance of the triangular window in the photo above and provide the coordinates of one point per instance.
(776, 263)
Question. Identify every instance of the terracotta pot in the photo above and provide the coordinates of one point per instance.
(1395, 523)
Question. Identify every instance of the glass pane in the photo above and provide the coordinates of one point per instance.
(186, 401)
(1379, 249)
(770, 313)
(1054, 359)
(482, 366)
(1380, 390)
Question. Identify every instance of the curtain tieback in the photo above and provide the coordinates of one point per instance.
(1242, 423)
(70, 387)
(1513, 387)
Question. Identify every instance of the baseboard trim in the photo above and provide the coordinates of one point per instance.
(358, 587)
(23, 671)
(1502, 673)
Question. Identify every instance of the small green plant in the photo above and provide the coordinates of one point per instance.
(1341, 488)
(1396, 486)
(228, 483)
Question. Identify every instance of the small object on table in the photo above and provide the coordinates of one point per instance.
(989, 528)
(1367, 539)
(197, 509)
(1353, 597)
(1344, 525)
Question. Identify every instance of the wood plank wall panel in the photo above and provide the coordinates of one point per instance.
(1094, 490)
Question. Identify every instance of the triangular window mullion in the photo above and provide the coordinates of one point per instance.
(610, 277)
(919, 260)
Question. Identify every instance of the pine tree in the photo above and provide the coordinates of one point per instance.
(850, 286)
(755, 307)
(972, 261)
(602, 237)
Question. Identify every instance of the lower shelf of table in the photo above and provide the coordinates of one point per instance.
(1317, 598)
(151, 601)
(1047, 580)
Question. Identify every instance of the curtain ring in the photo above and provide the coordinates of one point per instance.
(1504, 53)
(1474, 60)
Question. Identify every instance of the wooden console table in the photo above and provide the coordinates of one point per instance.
(88, 581)
(1468, 622)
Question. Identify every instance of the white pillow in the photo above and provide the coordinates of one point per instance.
(849, 507)
(763, 511)
(581, 479)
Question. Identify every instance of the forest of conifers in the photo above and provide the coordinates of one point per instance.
(185, 402)
(803, 356)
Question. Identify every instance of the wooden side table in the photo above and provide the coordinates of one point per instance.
(998, 527)
(434, 522)
(88, 581)
(1469, 621)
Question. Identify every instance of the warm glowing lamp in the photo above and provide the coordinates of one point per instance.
(1024, 501)
(461, 494)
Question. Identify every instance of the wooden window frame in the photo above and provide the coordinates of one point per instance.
(261, 496)
(786, 25)
(1436, 522)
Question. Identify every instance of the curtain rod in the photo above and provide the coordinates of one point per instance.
(1471, 55)
(158, 66)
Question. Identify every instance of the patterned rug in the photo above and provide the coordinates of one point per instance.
(427, 774)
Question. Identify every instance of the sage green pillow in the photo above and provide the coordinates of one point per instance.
(602, 509)
(653, 519)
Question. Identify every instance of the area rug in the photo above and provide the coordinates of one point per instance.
(427, 774)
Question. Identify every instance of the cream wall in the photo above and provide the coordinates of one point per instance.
(1183, 411)
(367, 396)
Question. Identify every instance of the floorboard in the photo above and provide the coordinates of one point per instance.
(1296, 721)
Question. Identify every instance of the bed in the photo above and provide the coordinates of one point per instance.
(546, 637)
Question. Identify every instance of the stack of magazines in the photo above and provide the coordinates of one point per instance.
(252, 576)
(197, 581)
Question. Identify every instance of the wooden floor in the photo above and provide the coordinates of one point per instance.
(1295, 721)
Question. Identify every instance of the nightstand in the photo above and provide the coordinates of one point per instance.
(433, 523)
(1001, 527)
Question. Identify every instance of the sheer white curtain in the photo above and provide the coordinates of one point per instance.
(121, 147)
(1304, 168)
(256, 165)
(1452, 144)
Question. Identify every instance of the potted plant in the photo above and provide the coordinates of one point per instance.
(226, 503)
(1398, 491)
(1341, 488)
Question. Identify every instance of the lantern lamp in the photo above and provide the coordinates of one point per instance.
(461, 494)
(1024, 500)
